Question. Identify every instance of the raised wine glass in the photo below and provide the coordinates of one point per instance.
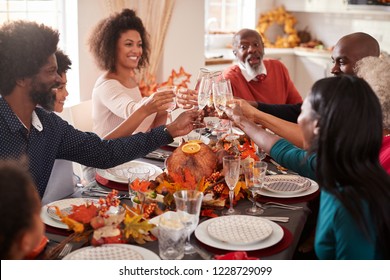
(219, 99)
(254, 178)
(231, 169)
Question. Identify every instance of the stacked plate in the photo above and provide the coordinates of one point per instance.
(49, 217)
(239, 232)
(286, 186)
(112, 252)
(119, 173)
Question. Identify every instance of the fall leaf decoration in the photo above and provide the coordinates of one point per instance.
(71, 223)
(84, 213)
(93, 219)
(179, 79)
(184, 179)
(140, 186)
(137, 229)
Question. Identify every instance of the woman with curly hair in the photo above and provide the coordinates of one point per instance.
(120, 46)
(343, 154)
(376, 71)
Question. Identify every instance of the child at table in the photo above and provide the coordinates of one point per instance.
(21, 228)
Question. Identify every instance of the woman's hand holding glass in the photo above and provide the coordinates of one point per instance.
(171, 105)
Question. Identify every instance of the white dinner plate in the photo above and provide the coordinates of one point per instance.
(202, 234)
(312, 189)
(119, 173)
(112, 252)
(286, 184)
(176, 142)
(239, 229)
(62, 204)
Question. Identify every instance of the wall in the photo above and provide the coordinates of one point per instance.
(184, 43)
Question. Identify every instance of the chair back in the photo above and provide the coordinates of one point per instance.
(81, 115)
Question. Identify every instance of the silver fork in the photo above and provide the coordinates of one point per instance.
(276, 205)
(270, 203)
(66, 250)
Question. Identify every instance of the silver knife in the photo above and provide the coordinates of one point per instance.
(276, 219)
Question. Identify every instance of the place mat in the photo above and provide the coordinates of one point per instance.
(111, 184)
(289, 200)
(278, 247)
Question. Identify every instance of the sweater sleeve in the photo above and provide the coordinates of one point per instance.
(294, 158)
(288, 112)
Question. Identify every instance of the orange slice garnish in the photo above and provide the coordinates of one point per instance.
(191, 148)
(195, 141)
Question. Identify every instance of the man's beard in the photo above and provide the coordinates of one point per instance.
(44, 97)
(252, 70)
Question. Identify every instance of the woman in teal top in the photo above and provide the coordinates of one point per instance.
(341, 121)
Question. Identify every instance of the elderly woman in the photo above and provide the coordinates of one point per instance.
(376, 71)
(343, 153)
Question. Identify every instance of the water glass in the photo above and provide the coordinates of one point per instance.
(254, 178)
(188, 203)
(171, 236)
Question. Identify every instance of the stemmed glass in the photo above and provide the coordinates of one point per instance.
(219, 99)
(188, 203)
(260, 152)
(231, 169)
(204, 92)
(223, 96)
(140, 174)
(172, 105)
(254, 178)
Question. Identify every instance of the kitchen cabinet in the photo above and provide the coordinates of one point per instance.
(331, 6)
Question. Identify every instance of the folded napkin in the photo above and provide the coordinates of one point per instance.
(238, 255)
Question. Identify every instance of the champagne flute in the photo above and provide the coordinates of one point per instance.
(254, 178)
(231, 169)
(219, 99)
(188, 203)
(229, 101)
(204, 93)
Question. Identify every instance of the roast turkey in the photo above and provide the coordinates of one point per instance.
(200, 164)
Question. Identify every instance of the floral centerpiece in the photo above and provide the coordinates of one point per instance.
(104, 221)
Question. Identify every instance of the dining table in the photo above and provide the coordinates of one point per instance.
(283, 250)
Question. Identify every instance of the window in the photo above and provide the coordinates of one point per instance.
(229, 16)
(48, 12)
(51, 13)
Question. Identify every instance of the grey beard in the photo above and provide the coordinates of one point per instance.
(252, 71)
